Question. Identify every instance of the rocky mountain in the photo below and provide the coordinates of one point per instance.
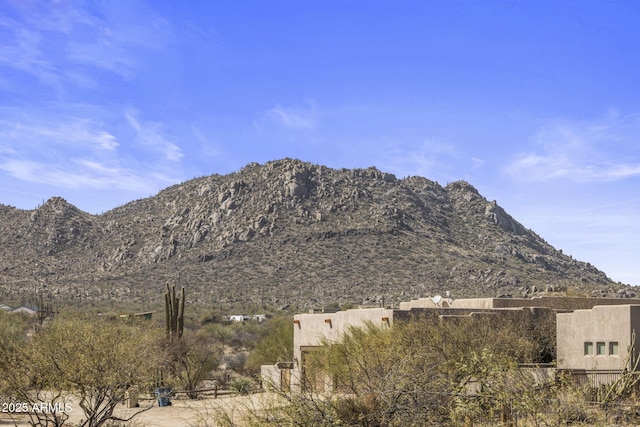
(285, 234)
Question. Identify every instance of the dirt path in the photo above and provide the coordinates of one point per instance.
(206, 412)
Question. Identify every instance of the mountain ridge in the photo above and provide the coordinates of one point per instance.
(287, 234)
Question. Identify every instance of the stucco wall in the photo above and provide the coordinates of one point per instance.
(600, 324)
(310, 330)
(555, 302)
(270, 375)
(605, 324)
(477, 303)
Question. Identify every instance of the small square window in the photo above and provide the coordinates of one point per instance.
(600, 349)
(588, 349)
(613, 348)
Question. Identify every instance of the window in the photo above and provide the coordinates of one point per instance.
(613, 348)
(600, 349)
(588, 349)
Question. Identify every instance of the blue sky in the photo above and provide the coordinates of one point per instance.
(535, 103)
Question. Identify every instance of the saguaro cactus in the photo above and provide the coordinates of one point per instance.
(45, 311)
(174, 312)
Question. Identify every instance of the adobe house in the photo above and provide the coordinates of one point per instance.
(554, 302)
(597, 320)
(313, 329)
(600, 342)
(277, 376)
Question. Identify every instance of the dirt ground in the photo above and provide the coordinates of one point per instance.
(183, 412)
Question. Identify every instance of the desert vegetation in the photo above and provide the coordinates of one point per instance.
(94, 360)
(91, 362)
(423, 371)
(452, 373)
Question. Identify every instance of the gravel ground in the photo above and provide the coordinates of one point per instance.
(182, 412)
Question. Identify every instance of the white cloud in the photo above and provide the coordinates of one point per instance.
(477, 163)
(63, 43)
(591, 234)
(104, 55)
(26, 130)
(292, 118)
(65, 46)
(84, 131)
(622, 171)
(23, 52)
(118, 43)
(208, 147)
(5, 149)
(153, 135)
(133, 122)
(431, 159)
(85, 175)
(66, 151)
(603, 150)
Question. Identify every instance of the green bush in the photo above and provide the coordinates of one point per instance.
(242, 386)
(276, 345)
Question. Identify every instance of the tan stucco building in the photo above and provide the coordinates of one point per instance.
(591, 333)
(553, 302)
(600, 338)
(310, 331)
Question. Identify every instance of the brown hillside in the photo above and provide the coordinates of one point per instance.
(286, 233)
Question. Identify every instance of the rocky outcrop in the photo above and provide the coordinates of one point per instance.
(284, 234)
(499, 217)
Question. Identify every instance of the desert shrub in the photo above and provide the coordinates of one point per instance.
(244, 335)
(212, 318)
(218, 332)
(13, 330)
(222, 377)
(94, 359)
(422, 371)
(191, 360)
(276, 345)
(242, 386)
(13, 334)
(234, 361)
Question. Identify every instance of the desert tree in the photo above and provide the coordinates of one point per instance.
(275, 345)
(423, 370)
(13, 330)
(364, 379)
(13, 381)
(191, 359)
(94, 360)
